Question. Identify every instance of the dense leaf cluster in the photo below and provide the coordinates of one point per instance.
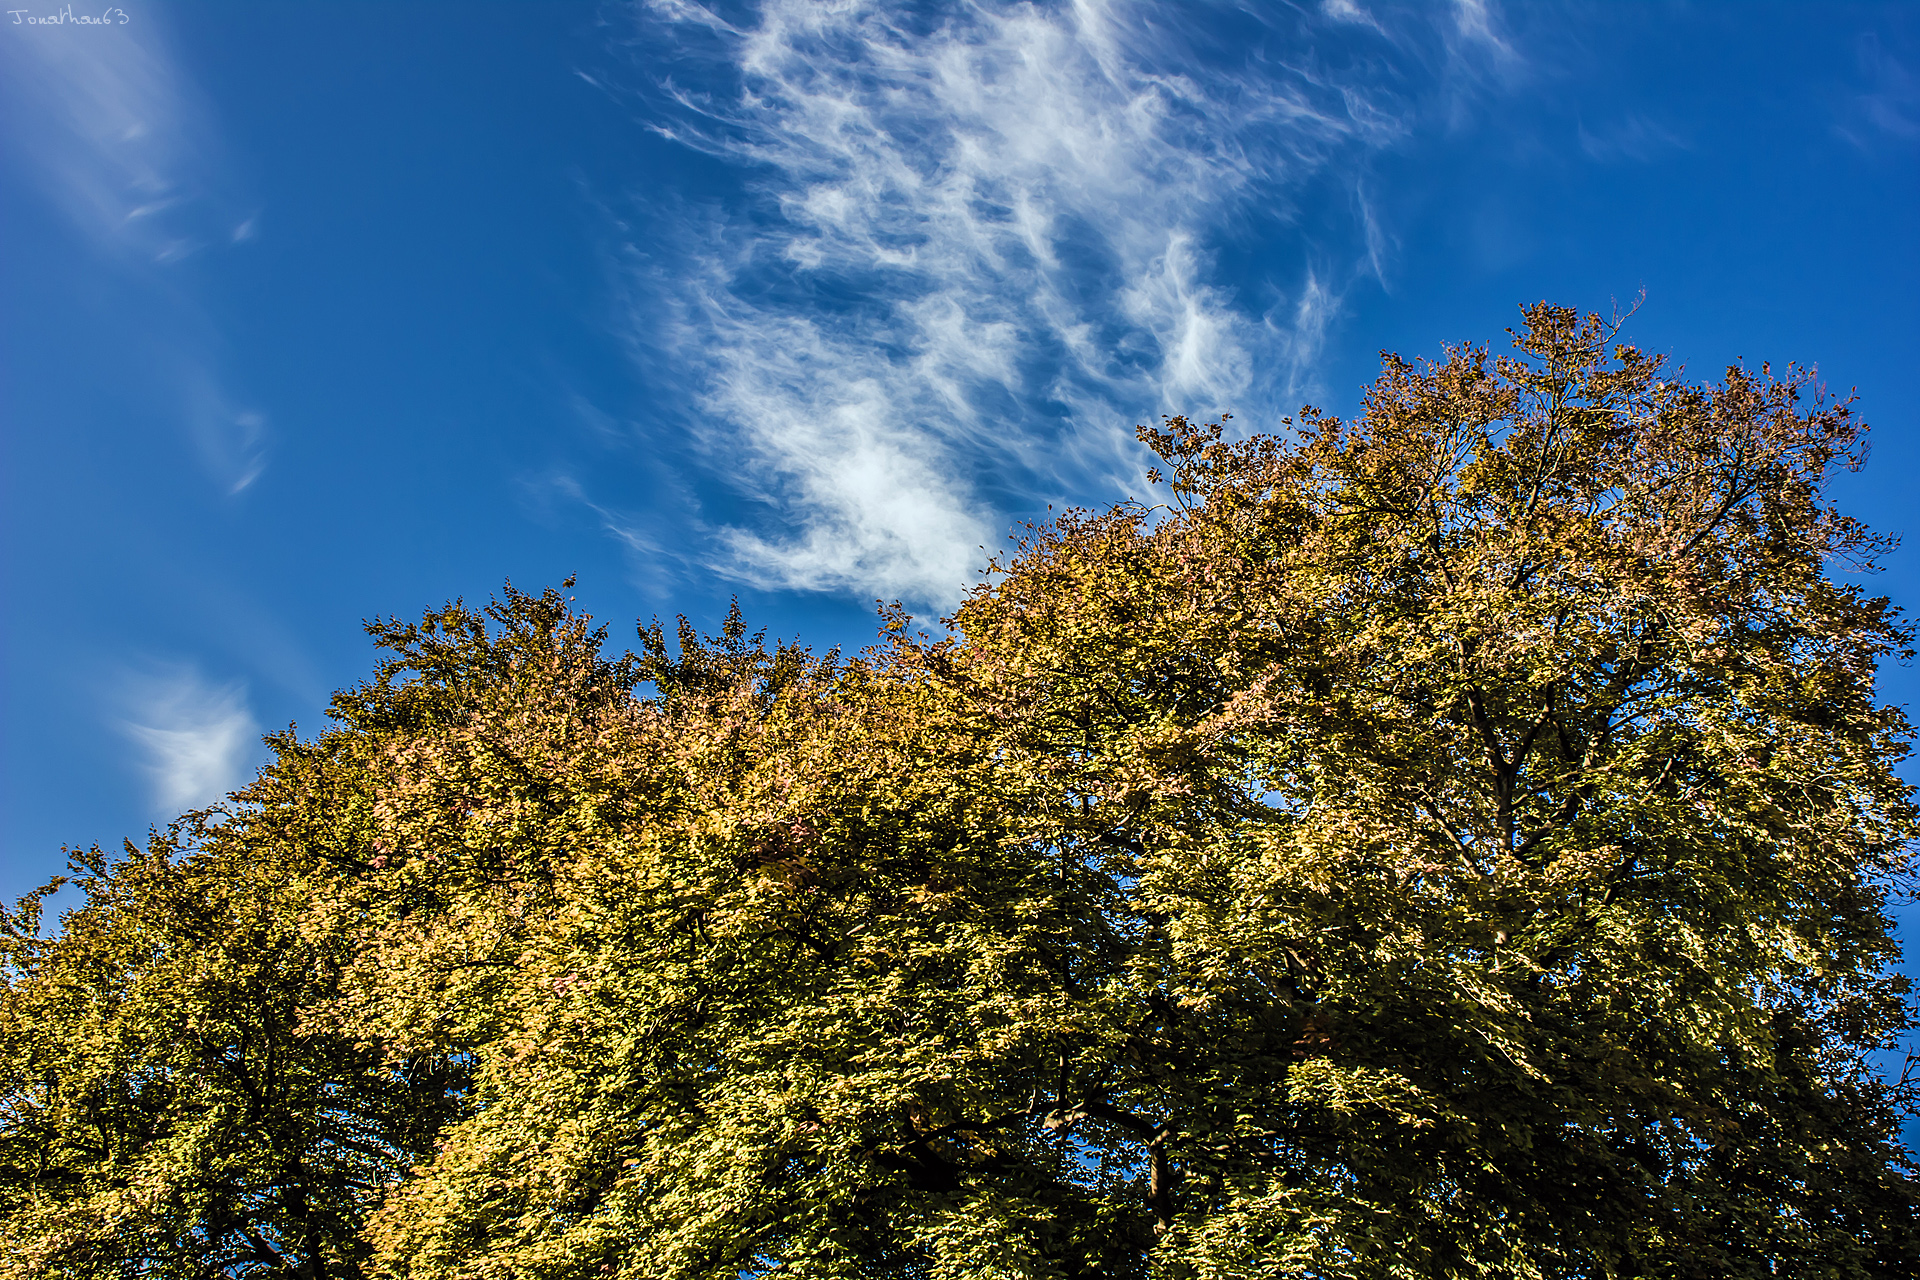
(1452, 842)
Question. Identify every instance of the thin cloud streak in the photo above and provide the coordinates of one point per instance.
(1633, 140)
(117, 139)
(1889, 109)
(1478, 27)
(194, 738)
(982, 249)
(104, 117)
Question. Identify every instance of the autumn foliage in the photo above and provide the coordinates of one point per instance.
(1450, 842)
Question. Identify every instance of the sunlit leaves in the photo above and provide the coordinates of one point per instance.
(1453, 841)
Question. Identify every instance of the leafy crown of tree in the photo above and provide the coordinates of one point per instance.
(1454, 841)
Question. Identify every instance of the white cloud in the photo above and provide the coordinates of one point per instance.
(231, 440)
(117, 134)
(195, 739)
(1348, 11)
(1632, 139)
(104, 123)
(1890, 106)
(985, 247)
(1476, 24)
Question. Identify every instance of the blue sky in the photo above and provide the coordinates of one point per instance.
(319, 311)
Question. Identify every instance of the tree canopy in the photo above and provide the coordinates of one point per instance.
(1454, 841)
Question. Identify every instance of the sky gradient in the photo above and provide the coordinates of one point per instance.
(318, 311)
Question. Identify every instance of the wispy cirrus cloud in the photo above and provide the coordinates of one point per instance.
(116, 134)
(980, 246)
(1477, 25)
(1632, 140)
(195, 738)
(106, 125)
(1887, 109)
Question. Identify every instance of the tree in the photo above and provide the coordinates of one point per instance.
(179, 1096)
(1509, 758)
(168, 1109)
(1451, 842)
